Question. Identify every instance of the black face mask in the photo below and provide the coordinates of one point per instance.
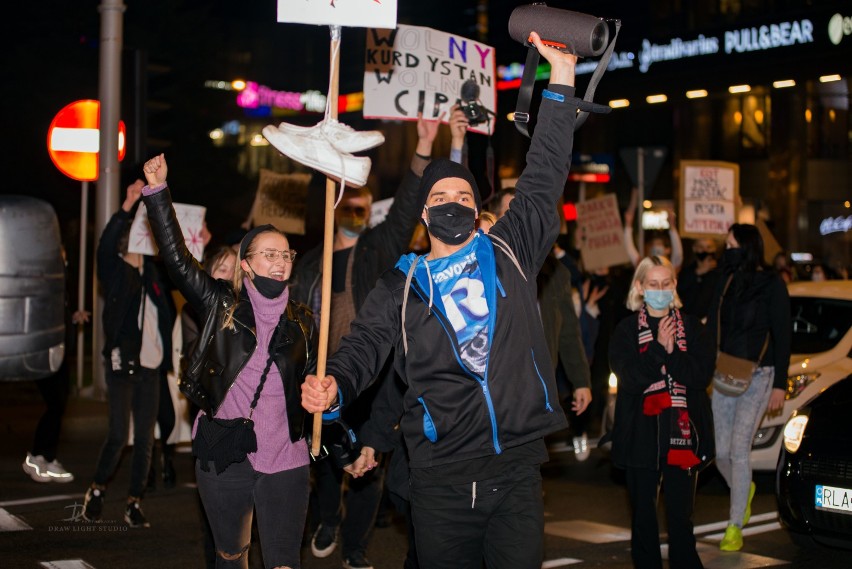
(451, 223)
(270, 288)
(733, 258)
(701, 255)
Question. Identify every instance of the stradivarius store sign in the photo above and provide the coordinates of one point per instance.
(766, 37)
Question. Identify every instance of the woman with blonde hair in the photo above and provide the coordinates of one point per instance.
(248, 440)
(663, 424)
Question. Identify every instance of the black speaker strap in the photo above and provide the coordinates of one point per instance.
(593, 83)
(522, 107)
(522, 116)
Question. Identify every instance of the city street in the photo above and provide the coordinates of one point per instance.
(587, 515)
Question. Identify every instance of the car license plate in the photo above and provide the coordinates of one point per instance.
(833, 498)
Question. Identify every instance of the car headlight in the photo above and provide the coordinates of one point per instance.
(794, 431)
(797, 383)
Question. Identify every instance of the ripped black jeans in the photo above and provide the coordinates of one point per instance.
(230, 500)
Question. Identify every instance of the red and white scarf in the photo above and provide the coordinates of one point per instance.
(667, 393)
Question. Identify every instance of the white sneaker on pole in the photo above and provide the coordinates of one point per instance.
(341, 136)
(316, 152)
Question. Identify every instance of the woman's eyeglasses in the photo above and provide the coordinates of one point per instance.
(273, 255)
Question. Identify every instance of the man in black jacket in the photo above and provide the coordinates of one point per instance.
(138, 317)
(361, 254)
(462, 322)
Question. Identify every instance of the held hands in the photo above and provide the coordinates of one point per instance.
(156, 170)
(318, 394)
(134, 192)
(364, 463)
(582, 398)
(562, 65)
(666, 333)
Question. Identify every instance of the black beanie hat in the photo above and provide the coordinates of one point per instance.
(441, 168)
(251, 235)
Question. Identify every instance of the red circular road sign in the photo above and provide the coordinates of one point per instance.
(73, 140)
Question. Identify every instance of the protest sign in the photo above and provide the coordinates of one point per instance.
(190, 218)
(281, 200)
(414, 69)
(709, 192)
(350, 13)
(602, 235)
(379, 211)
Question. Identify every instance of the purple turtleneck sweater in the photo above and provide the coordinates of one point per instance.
(275, 452)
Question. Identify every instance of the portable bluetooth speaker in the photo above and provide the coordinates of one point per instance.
(571, 32)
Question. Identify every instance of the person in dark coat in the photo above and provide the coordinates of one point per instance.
(663, 425)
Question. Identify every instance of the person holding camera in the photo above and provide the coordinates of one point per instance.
(255, 348)
(480, 394)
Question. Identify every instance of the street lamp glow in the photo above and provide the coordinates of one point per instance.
(238, 84)
(647, 204)
(733, 89)
(696, 94)
(619, 103)
(652, 99)
(217, 134)
(829, 78)
(784, 83)
(258, 140)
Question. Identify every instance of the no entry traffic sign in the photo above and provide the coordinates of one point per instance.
(73, 140)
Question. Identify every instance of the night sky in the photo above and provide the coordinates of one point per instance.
(51, 59)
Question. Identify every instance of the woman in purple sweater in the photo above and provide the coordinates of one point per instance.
(248, 325)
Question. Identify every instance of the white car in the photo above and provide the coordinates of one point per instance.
(821, 356)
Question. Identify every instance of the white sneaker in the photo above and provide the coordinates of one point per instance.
(42, 471)
(341, 136)
(58, 473)
(317, 152)
(36, 467)
(581, 448)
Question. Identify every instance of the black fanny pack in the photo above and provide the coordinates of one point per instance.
(226, 441)
(223, 441)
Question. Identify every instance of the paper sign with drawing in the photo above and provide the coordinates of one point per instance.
(413, 69)
(191, 220)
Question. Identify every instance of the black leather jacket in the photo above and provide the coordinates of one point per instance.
(223, 352)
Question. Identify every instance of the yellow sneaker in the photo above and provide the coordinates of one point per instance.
(733, 540)
(747, 515)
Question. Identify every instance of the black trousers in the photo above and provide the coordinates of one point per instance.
(361, 504)
(54, 391)
(499, 520)
(233, 497)
(643, 485)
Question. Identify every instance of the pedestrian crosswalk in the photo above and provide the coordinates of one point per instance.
(708, 536)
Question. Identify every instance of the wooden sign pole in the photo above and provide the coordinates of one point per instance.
(328, 239)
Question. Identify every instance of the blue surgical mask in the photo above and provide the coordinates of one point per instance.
(659, 299)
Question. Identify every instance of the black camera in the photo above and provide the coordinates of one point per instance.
(469, 103)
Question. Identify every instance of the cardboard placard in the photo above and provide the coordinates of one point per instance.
(281, 200)
(602, 233)
(413, 69)
(349, 13)
(379, 211)
(190, 218)
(709, 194)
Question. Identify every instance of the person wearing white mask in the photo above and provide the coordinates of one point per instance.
(663, 428)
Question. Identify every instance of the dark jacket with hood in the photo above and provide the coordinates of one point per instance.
(755, 307)
(451, 414)
(224, 351)
(639, 440)
(123, 285)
